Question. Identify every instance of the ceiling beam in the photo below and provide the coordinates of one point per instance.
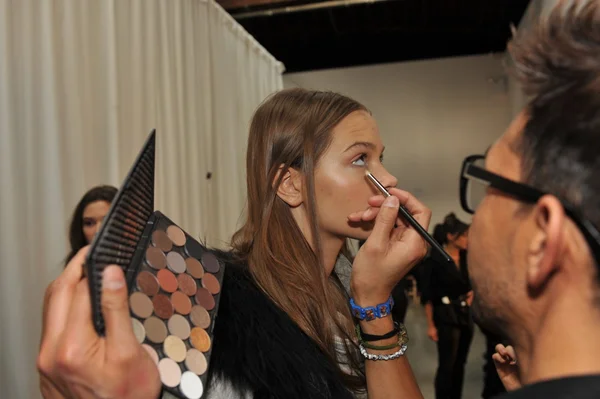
(234, 4)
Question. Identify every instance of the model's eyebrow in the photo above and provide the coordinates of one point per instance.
(366, 144)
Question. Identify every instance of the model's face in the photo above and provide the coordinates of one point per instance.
(341, 186)
(93, 214)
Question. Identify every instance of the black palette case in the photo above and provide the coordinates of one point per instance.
(173, 281)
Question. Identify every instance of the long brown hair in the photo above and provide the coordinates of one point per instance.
(292, 129)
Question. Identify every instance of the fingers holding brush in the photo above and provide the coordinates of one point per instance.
(375, 202)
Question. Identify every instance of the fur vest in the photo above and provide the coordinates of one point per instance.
(257, 348)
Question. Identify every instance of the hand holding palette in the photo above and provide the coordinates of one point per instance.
(174, 282)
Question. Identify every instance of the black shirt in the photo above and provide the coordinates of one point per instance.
(437, 280)
(585, 387)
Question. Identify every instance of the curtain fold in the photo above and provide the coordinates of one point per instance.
(82, 83)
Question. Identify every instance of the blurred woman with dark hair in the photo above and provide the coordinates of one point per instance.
(446, 294)
(87, 217)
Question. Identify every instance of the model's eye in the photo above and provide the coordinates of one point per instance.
(360, 161)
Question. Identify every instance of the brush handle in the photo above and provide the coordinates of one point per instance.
(403, 212)
(443, 255)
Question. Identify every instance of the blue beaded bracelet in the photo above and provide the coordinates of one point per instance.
(372, 312)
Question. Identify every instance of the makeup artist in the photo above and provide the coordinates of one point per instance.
(87, 217)
(285, 327)
(447, 296)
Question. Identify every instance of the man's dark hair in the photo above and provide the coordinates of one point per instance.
(558, 66)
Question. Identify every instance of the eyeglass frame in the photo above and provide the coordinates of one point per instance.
(524, 193)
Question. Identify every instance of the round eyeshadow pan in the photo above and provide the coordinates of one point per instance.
(156, 331)
(170, 373)
(161, 240)
(179, 326)
(205, 299)
(210, 263)
(191, 386)
(200, 317)
(155, 258)
(175, 348)
(181, 302)
(187, 284)
(211, 283)
(167, 280)
(163, 307)
(151, 352)
(176, 235)
(194, 249)
(194, 267)
(147, 283)
(200, 339)
(175, 262)
(140, 305)
(195, 361)
(138, 330)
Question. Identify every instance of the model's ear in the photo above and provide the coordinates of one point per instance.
(290, 188)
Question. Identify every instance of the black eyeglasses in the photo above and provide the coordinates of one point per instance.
(475, 180)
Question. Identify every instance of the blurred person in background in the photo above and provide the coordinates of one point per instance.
(87, 217)
(446, 294)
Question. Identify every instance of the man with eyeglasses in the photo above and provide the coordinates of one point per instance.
(534, 244)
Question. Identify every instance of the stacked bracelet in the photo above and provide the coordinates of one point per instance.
(399, 330)
(372, 312)
(392, 356)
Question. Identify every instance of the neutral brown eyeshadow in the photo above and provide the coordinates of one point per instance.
(161, 240)
(175, 262)
(175, 348)
(179, 326)
(147, 283)
(187, 284)
(211, 283)
(163, 307)
(151, 352)
(176, 235)
(155, 258)
(194, 267)
(196, 362)
(167, 280)
(140, 305)
(210, 263)
(200, 317)
(138, 330)
(200, 339)
(156, 330)
(205, 299)
(181, 302)
(170, 373)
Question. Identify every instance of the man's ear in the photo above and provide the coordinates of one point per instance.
(290, 189)
(546, 246)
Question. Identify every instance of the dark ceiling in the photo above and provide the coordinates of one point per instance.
(377, 32)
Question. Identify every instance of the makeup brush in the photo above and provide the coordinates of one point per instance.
(403, 212)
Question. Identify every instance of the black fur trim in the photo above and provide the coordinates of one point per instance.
(258, 348)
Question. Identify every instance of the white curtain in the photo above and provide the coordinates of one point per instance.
(82, 83)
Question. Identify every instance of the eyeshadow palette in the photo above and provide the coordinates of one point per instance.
(173, 301)
(174, 282)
